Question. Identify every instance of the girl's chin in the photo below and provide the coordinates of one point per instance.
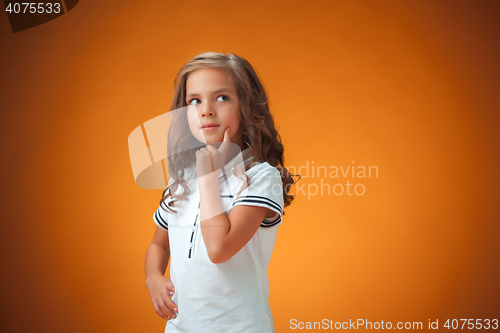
(212, 138)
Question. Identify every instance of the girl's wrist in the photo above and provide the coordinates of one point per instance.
(152, 277)
(210, 178)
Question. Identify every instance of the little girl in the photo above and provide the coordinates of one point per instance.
(222, 231)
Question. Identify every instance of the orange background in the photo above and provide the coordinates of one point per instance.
(408, 86)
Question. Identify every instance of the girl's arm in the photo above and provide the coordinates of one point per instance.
(157, 255)
(159, 286)
(225, 235)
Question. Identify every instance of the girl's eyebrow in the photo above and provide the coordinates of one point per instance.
(215, 92)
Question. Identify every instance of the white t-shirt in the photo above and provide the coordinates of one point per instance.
(231, 296)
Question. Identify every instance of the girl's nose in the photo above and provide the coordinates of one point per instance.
(207, 110)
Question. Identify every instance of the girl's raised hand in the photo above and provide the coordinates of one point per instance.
(210, 159)
(159, 289)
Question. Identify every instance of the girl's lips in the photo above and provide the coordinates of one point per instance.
(209, 128)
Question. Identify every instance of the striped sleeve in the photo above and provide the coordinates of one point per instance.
(265, 190)
(161, 216)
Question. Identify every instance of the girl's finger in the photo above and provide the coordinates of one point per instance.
(211, 159)
(170, 287)
(168, 301)
(226, 135)
(213, 149)
(167, 310)
(159, 312)
(225, 143)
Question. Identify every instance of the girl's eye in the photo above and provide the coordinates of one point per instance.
(225, 98)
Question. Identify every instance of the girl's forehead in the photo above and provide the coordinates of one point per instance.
(207, 79)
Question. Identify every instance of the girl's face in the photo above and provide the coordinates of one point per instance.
(212, 100)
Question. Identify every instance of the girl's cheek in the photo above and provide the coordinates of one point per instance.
(191, 128)
(192, 117)
(193, 125)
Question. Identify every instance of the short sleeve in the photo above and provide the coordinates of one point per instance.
(161, 216)
(161, 219)
(265, 190)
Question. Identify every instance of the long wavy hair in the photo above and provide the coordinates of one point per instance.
(256, 125)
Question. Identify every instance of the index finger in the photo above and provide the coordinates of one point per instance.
(226, 141)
